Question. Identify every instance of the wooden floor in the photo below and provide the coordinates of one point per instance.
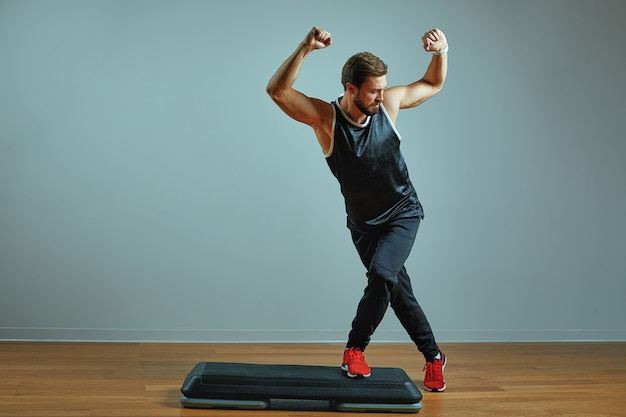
(144, 379)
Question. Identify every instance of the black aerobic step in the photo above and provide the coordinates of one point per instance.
(255, 386)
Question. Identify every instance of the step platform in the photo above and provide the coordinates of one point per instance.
(227, 385)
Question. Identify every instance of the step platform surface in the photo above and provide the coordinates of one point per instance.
(256, 386)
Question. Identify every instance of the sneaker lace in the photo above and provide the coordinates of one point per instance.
(356, 355)
(433, 371)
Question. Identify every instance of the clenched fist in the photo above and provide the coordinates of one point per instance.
(318, 38)
(434, 41)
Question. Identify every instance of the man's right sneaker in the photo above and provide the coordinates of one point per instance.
(433, 379)
(354, 363)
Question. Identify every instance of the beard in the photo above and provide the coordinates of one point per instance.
(370, 110)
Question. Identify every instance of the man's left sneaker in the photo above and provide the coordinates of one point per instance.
(433, 379)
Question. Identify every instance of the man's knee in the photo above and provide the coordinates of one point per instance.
(384, 275)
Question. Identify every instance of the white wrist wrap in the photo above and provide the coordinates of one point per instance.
(443, 51)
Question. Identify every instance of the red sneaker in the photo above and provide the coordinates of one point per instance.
(354, 363)
(433, 379)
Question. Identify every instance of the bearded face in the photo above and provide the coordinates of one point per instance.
(369, 96)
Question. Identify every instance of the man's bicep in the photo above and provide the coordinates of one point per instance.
(405, 97)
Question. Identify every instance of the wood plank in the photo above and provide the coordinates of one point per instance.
(144, 379)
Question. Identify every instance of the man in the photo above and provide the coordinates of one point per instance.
(358, 137)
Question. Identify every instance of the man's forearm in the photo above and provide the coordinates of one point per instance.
(435, 41)
(286, 75)
(437, 70)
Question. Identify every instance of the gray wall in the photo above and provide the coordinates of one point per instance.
(150, 190)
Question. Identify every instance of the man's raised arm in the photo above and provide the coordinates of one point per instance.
(403, 97)
(280, 87)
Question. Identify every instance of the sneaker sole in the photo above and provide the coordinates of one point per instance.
(344, 368)
(436, 390)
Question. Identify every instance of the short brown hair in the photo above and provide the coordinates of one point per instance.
(361, 66)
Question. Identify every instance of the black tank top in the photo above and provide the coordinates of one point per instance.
(367, 162)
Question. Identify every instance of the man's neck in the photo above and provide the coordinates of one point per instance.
(352, 111)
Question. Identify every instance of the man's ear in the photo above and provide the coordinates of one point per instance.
(351, 88)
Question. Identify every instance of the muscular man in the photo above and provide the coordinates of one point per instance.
(359, 139)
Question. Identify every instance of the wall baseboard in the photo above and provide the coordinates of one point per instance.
(296, 336)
